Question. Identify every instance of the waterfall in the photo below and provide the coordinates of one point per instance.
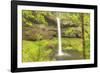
(60, 52)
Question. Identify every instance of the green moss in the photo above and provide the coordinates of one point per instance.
(37, 51)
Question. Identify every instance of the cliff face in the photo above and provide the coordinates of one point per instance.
(39, 32)
(43, 25)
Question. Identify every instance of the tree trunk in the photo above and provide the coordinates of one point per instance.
(83, 39)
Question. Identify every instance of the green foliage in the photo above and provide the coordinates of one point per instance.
(27, 17)
(40, 19)
(46, 50)
(34, 51)
(72, 43)
(30, 17)
(40, 37)
(72, 31)
(87, 19)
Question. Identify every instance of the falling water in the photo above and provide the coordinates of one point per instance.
(60, 52)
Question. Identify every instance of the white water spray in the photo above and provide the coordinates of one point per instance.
(60, 52)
